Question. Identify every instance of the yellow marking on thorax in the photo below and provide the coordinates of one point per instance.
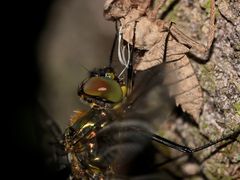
(124, 92)
(76, 116)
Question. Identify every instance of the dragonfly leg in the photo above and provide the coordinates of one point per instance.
(130, 72)
(186, 149)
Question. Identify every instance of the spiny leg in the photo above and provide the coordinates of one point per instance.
(130, 65)
(170, 160)
(233, 137)
(186, 149)
(166, 44)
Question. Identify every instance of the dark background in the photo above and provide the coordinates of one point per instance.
(26, 20)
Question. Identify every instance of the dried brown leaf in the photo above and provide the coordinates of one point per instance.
(150, 36)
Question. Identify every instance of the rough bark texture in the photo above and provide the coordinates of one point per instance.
(219, 78)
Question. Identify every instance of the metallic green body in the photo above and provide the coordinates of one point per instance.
(81, 144)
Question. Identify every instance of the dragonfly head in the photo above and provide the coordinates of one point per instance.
(102, 88)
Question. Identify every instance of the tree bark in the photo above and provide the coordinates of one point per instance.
(220, 79)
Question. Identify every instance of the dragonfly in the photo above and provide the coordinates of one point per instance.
(105, 142)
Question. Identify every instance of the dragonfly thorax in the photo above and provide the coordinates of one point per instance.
(81, 143)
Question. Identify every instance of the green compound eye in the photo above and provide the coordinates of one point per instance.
(105, 88)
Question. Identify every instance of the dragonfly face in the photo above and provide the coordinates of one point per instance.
(102, 89)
